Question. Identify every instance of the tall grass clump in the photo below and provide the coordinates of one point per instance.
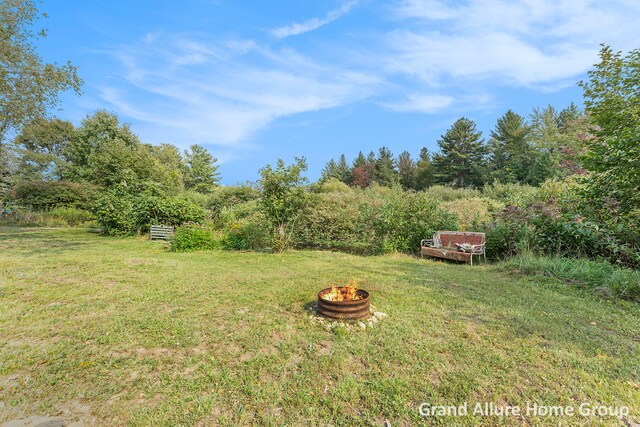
(598, 275)
(56, 217)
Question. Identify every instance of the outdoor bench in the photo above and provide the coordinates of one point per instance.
(454, 245)
(161, 232)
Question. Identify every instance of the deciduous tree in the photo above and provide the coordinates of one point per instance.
(105, 152)
(612, 99)
(41, 146)
(29, 87)
(283, 198)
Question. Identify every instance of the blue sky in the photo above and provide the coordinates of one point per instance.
(254, 81)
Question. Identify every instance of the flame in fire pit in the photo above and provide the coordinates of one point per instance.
(346, 293)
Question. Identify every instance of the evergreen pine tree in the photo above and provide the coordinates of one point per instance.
(371, 157)
(424, 171)
(461, 159)
(330, 170)
(343, 170)
(202, 172)
(542, 168)
(360, 160)
(407, 170)
(386, 173)
(511, 152)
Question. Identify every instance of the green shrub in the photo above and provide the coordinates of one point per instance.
(597, 275)
(243, 226)
(472, 212)
(505, 238)
(114, 211)
(196, 198)
(122, 210)
(332, 185)
(370, 221)
(246, 235)
(511, 194)
(149, 209)
(229, 196)
(193, 237)
(45, 195)
(406, 218)
(340, 221)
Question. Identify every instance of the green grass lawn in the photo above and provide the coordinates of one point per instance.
(120, 331)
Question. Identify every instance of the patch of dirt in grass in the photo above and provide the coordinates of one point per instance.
(200, 349)
(230, 348)
(72, 414)
(268, 350)
(325, 348)
(434, 378)
(245, 357)
(10, 382)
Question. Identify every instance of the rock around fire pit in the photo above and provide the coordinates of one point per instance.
(349, 325)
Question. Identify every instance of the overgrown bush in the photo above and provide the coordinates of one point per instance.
(122, 210)
(505, 238)
(341, 221)
(114, 211)
(45, 195)
(194, 237)
(548, 229)
(228, 196)
(405, 219)
(332, 185)
(243, 226)
(472, 213)
(369, 221)
(245, 235)
(149, 209)
(511, 194)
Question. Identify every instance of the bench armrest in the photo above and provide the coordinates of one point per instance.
(426, 242)
(478, 249)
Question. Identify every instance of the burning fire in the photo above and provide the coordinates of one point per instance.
(349, 292)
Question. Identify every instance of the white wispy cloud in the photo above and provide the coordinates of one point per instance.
(183, 91)
(421, 103)
(520, 42)
(297, 28)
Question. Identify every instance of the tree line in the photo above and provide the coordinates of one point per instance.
(548, 145)
(104, 152)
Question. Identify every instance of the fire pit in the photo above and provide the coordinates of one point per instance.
(344, 302)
